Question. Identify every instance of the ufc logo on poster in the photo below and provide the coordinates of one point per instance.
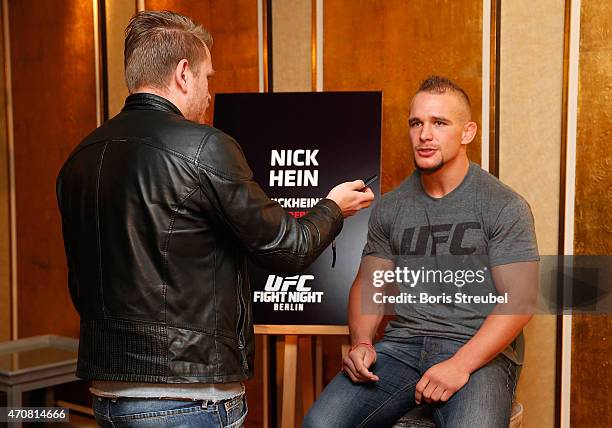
(278, 283)
(288, 294)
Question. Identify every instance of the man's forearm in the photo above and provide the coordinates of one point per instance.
(362, 325)
(506, 321)
(495, 334)
(498, 330)
(363, 313)
(364, 317)
(442, 380)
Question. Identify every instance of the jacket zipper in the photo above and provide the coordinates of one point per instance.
(241, 322)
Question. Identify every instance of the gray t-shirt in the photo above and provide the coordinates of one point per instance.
(480, 224)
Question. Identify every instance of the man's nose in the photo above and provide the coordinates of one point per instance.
(426, 134)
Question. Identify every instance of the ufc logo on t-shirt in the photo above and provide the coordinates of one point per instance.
(438, 234)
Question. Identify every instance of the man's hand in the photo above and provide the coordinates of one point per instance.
(357, 362)
(349, 197)
(441, 381)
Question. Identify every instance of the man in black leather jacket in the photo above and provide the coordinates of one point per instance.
(159, 215)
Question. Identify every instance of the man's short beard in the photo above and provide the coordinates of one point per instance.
(430, 170)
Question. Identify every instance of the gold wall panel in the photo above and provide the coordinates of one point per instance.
(54, 107)
(392, 46)
(117, 16)
(591, 387)
(536, 387)
(5, 250)
(530, 140)
(233, 25)
(531, 109)
(291, 45)
(593, 225)
(591, 380)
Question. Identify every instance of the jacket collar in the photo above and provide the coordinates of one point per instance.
(145, 101)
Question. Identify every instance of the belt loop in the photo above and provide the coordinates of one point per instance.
(107, 409)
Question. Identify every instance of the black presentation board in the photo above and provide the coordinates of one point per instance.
(299, 146)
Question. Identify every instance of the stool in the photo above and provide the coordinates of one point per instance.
(420, 417)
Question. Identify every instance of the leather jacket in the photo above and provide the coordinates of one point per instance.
(159, 215)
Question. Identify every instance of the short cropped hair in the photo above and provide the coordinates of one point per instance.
(442, 85)
(155, 42)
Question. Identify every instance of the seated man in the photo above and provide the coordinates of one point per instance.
(460, 246)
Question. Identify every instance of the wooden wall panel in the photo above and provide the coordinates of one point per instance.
(392, 46)
(233, 25)
(117, 16)
(52, 60)
(5, 259)
(591, 384)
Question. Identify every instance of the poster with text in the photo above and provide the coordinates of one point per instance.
(299, 146)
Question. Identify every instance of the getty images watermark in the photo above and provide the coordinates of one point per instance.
(456, 285)
(422, 277)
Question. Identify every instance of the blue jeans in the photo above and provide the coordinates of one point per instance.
(151, 412)
(484, 402)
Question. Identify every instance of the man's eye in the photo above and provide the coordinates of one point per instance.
(415, 124)
(439, 123)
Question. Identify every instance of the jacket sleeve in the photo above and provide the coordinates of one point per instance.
(272, 237)
(72, 279)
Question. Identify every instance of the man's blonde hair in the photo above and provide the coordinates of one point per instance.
(155, 42)
(442, 85)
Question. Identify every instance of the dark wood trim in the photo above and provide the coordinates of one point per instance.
(494, 98)
(272, 402)
(9, 174)
(264, 42)
(562, 200)
(564, 112)
(103, 55)
(313, 44)
(268, 68)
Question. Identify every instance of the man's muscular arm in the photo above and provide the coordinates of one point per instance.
(499, 329)
(364, 317)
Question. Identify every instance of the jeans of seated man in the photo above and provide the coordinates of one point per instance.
(484, 402)
(143, 412)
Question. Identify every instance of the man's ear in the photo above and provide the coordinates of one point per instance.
(469, 132)
(181, 74)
